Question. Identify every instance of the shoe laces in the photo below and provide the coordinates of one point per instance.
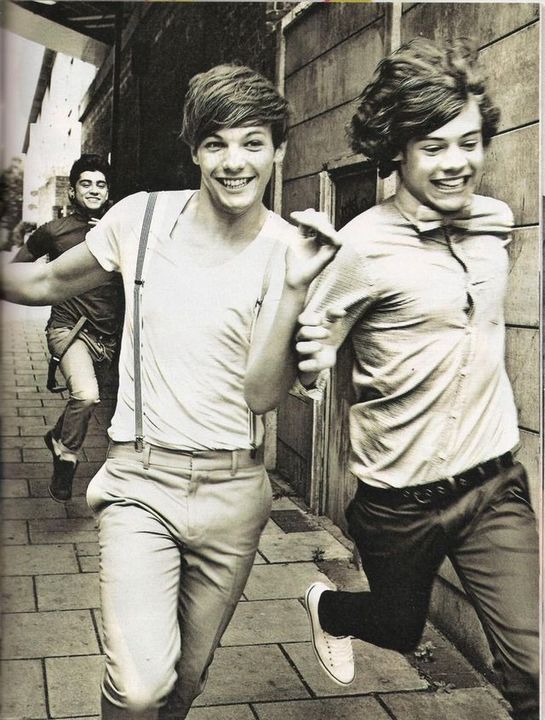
(340, 648)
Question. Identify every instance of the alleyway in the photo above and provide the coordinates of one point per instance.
(264, 669)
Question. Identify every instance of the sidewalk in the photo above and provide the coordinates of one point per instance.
(264, 669)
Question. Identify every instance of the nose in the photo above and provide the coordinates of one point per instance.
(454, 158)
(233, 160)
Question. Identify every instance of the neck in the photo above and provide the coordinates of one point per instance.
(228, 226)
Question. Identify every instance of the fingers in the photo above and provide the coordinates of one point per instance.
(332, 314)
(313, 224)
(309, 318)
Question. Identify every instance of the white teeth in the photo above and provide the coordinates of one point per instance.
(234, 184)
(453, 184)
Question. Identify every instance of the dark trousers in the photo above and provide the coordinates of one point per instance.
(490, 535)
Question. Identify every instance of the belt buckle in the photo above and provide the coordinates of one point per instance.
(423, 496)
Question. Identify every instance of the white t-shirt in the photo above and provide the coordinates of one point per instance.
(196, 326)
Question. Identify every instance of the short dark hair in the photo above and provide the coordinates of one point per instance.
(228, 96)
(416, 90)
(89, 162)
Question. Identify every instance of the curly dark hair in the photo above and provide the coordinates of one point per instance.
(228, 96)
(90, 162)
(416, 90)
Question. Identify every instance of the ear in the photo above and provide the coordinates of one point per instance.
(71, 193)
(398, 157)
(280, 152)
(194, 156)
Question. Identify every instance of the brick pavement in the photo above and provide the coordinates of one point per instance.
(264, 669)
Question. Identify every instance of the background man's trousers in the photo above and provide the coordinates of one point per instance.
(79, 367)
(490, 535)
(178, 535)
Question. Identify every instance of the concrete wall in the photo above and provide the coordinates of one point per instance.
(55, 137)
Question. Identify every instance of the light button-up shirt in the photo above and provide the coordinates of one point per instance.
(426, 322)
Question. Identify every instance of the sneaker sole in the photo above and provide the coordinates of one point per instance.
(316, 653)
(56, 499)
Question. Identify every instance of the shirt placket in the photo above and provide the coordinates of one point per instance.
(457, 398)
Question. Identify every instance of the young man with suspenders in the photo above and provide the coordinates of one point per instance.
(183, 495)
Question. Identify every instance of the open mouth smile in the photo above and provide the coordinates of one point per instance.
(453, 185)
(234, 183)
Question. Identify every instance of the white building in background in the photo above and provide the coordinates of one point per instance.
(53, 137)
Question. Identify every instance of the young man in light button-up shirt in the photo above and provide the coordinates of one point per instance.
(418, 288)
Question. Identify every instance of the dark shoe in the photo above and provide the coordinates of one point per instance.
(60, 487)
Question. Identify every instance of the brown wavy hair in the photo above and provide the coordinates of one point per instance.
(228, 96)
(416, 90)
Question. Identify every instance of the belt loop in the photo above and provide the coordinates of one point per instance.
(234, 462)
(146, 456)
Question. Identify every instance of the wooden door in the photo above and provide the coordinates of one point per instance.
(353, 191)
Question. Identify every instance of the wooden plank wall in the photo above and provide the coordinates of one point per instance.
(331, 52)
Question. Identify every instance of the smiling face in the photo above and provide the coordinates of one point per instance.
(441, 170)
(236, 165)
(91, 191)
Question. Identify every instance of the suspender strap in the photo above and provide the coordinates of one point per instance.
(137, 323)
(275, 251)
(55, 359)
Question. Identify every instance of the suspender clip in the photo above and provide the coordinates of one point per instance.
(139, 443)
(139, 282)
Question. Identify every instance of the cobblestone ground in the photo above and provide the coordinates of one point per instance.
(264, 669)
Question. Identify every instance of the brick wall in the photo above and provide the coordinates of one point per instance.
(168, 44)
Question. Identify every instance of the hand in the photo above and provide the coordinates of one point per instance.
(316, 245)
(315, 342)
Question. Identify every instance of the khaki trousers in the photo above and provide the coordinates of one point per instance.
(178, 535)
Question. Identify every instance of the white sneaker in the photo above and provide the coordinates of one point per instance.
(334, 653)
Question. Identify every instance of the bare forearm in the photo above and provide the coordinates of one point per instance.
(273, 363)
(73, 273)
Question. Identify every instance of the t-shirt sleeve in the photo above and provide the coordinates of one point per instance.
(344, 284)
(105, 239)
(39, 243)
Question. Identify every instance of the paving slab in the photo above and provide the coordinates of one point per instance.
(271, 528)
(471, 704)
(286, 580)
(18, 595)
(223, 712)
(377, 670)
(87, 548)
(48, 634)
(267, 621)
(89, 564)
(294, 521)
(38, 486)
(32, 508)
(67, 592)
(14, 488)
(63, 530)
(74, 685)
(38, 559)
(329, 709)
(23, 691)
(257, 673)
(11, 455)
(14, 532)
(78, 508)
(308, 546)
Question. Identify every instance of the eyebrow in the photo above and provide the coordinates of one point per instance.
(437, 138)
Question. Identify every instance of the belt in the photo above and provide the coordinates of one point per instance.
(191, 460)
(441, 491)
